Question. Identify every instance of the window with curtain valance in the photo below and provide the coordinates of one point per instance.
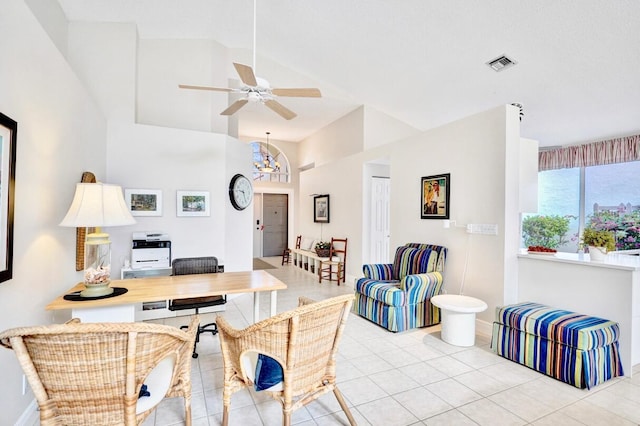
(620, 150)
(593, 185)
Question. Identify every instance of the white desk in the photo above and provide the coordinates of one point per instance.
(122, 308)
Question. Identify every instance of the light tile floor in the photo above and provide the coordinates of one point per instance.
(394, 379)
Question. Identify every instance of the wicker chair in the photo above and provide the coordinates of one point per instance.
(91, 374)
(304, 341)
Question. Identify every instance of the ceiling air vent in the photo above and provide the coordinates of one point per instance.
(500, 63)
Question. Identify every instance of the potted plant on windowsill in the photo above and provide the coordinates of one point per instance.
(600, 242)
(322, 248)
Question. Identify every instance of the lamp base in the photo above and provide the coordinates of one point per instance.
(96, 290)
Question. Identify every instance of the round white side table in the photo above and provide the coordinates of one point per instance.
(458, 314)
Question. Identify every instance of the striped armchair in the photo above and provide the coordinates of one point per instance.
(397, 295)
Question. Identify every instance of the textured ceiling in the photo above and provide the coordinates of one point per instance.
(422, 61)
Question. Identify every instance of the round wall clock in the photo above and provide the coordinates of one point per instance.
(240, 192)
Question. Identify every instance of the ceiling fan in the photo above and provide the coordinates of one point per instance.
(256, 89)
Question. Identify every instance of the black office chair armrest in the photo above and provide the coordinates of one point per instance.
(196, 302)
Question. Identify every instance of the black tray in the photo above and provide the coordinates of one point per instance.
(75, 296)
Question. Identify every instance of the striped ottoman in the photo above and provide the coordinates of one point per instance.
(578, 349)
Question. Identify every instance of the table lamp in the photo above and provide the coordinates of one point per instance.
(97, 205)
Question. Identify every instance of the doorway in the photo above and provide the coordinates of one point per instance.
(275, 214)
(380, 210)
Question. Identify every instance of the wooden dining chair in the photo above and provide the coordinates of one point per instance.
(286, 254)
(335, 266)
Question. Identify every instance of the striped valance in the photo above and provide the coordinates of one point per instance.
(612, 151)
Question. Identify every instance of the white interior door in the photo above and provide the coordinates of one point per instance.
(380, 208)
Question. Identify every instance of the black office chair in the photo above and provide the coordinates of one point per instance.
(197, 265)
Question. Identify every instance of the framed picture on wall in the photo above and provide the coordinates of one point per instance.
(8, 140)
(321, 208)
(144, 202)
(434, 196)
(193, 203)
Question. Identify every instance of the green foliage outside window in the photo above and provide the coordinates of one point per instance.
(546, 231)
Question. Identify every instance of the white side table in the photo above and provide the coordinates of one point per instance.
(458, 315)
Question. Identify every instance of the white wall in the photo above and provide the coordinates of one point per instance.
(61, 133)
(342, 180)
(481, 153)
(474, 151)
(53, 21)
(239, 224)
(103, 55)
(341, 138)
(151, 157)
(162, 63)
(380, 129)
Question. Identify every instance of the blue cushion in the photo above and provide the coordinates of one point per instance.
(268, 373)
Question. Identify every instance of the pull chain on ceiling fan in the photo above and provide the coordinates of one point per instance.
(256, 89)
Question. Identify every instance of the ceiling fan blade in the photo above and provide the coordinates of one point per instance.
(301, 93)
(246, 74)
(283, 111)
(234, 107)
(215, 89)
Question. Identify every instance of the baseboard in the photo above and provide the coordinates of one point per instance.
(484, 328)
(30, 416)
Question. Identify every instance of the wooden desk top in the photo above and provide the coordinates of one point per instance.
(176, 287)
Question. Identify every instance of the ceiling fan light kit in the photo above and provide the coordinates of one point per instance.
(257, 89)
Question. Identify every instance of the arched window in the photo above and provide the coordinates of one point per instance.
(269, 163)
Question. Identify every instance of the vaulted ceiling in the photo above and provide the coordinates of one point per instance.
(422, 61)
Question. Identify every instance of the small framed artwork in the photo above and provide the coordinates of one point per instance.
(434, 199)
(321, 208)
(144, 202)
(193, 203)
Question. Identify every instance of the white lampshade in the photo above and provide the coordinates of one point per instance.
(97, 205)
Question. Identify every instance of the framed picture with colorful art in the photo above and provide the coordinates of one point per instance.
(434, 196)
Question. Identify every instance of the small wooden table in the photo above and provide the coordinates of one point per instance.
(122, 308)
